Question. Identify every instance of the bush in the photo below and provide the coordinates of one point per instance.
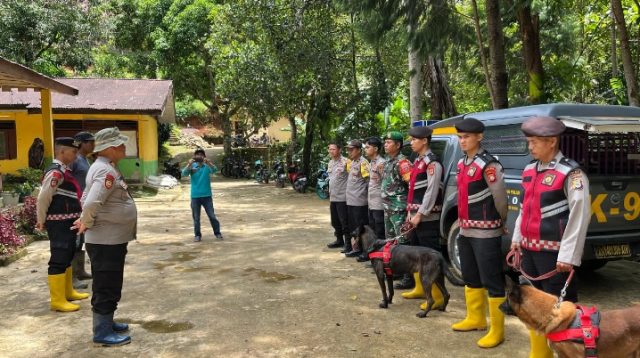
(27, 216)
(25, 182)
(10, 241)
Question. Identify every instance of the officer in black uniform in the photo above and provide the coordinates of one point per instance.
(58, 206)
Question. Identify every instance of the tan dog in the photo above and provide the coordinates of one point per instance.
(619, 329)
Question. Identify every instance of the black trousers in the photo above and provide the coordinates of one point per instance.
(107, 268)
(376, 222)
(62, 244)
(426, 234)
(536, 263)
(339, 220)
(481, 262)
(357, 215)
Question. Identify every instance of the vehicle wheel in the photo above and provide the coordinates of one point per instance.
(591, 265)
(452, 249)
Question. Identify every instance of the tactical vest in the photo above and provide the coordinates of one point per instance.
(476, 208)
(419, 181)
(65, 203)
(545, 208)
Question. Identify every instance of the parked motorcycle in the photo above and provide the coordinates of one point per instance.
(322, 185)
(280, 176)
(261, 173)
(297, 178)
(238, 141)
(172, 169)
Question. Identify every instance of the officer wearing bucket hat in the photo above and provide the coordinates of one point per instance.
(555, 211)
(109, 219)
(58, 206)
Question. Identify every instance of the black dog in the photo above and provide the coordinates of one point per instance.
(406, 260)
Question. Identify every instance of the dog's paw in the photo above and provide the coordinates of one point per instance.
(383, 305)
(421, 314)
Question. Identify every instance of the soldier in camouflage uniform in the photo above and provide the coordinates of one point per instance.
(395, 176)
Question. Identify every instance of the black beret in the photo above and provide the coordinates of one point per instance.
(420, 132)
(470, 125)
(542, 127)
(84, 137)
(67, 142)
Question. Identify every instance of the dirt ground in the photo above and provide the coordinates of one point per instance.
(270, 289)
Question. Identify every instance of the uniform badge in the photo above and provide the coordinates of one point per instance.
(472, 171)
(491, 174)
(576, 181)
(548, 179)
(108, 181)
(431, 169)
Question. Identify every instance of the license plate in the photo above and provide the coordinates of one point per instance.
(609, 251)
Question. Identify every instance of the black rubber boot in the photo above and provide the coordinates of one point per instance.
(336, 244)
(406, 283)
(103, 333)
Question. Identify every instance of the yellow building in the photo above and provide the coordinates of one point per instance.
(135, 106)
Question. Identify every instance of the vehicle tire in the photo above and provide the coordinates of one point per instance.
(279, 183)
(591, 265)
(452, 249)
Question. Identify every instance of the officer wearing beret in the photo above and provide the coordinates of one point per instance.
(554, 215)
(394, 187)
(424, 203)
(357, 191)
(482, 214)
(79, 169)
(109, 218)
(58, 206)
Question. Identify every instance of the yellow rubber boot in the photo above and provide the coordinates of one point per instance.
(418, 291)
(438, 298)
(495, 335)
(58, 300)
(539, 346)
(70, 293)
(476, 318)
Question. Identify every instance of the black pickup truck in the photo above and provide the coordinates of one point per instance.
(605, 140)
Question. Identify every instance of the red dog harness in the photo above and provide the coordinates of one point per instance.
(584, 329)
(385, 255)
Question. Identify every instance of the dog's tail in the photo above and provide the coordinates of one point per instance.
(447, 272)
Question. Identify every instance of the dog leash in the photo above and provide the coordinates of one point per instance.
(514, 261)
(403, 233)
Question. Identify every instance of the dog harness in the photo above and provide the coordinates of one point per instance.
(584, 329)
(385, 255)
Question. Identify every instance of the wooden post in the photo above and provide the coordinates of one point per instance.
(47, 124)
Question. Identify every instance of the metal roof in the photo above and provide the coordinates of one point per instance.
(103, 95)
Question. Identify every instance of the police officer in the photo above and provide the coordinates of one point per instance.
(58, 206)
(337, 170)
(555, 211)
(424, 203)
(79, 171)
(109, 218)
(395, 176)
(482, 214)
(372, 149)
(357, 191)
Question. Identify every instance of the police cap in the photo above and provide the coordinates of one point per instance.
(542, 126)
(420, 132)
(84, 137)
(67, 142)
(470, 125)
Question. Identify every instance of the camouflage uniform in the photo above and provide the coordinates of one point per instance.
(394, 190)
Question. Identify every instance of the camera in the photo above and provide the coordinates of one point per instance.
(198, 159)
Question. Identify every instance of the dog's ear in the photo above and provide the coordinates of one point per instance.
(508, 283)
(524, 281)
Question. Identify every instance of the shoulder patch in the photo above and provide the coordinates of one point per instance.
(404, 167)
(431, 169)
(576, 180)
(108, 181)
(56, 176)
(491, 174)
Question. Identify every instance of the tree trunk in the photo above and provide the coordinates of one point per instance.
(530, 32)
(294, 138)
(356, 90)
(499, 80)
(483, 57)
(614, 48)
(436, 84)
(415, 86)
(226, 130)
(625, 52)
(308, 136)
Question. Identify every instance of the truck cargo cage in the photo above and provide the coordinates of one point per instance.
(603, 153)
